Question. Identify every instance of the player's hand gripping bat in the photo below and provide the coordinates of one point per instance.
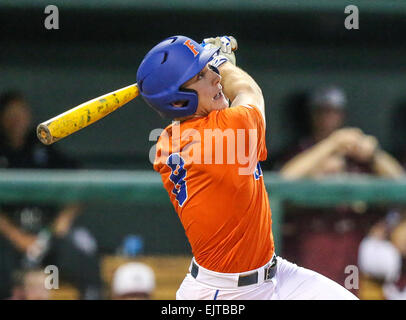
(84, 114)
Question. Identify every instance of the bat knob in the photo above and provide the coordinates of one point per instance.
(44, 135)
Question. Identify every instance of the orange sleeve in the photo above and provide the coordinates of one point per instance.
(246, 117)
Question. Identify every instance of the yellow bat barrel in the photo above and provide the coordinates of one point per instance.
(84, 114)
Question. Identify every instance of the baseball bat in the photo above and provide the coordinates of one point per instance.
(84, 114)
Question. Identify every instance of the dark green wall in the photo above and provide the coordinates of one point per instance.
(158, 226)
(97, 51)
(374, 81)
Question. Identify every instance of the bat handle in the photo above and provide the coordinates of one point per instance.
(44, 135)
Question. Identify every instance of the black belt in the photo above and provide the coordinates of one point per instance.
(248, 279)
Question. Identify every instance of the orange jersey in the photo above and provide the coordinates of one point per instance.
(222, 202)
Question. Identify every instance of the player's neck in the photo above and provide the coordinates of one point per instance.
(193, 116)
(201, 112)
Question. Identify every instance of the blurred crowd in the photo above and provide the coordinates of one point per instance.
(326, 240)
(33, 236)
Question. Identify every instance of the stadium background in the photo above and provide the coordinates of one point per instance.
(288, 46)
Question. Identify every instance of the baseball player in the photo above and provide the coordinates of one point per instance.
(221, 200)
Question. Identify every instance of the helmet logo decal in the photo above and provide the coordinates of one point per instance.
(191, 47)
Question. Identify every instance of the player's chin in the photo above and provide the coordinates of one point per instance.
(221, 104)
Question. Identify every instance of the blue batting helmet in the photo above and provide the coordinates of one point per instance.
(165, 68)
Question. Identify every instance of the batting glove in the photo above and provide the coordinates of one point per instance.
(226, 44)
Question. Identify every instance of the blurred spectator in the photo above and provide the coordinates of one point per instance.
(34, 285)
(329, 149)
(381, 259)
(17, 292)
(31, 286)
(133, 281)
(39, 235)
(382, 253)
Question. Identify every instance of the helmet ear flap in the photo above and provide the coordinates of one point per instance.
(183, 103)
(188, 99)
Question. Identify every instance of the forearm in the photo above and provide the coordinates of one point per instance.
(20, 239)
(303, 164)
(387, 166)
(240, 87)
(65, 218)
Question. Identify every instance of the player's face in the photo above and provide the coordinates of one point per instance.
(209, 90)
(327, 119)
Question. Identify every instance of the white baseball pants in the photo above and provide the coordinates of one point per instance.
(290, 282)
